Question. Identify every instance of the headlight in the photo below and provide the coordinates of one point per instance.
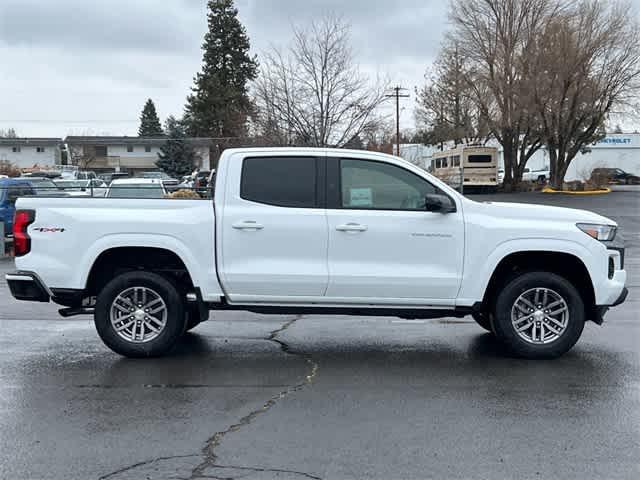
(604, 233)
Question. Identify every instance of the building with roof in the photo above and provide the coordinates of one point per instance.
(31, 152)
(127, 154)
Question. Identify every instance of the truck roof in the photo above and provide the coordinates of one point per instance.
(307, 150)
(4, 182)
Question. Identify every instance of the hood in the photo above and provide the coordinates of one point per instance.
(544, 212)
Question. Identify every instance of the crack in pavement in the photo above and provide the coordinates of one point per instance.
(144, 463)
(208, 453)
(254, 470)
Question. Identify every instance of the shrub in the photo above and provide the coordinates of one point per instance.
(8, 169)
(184, 193)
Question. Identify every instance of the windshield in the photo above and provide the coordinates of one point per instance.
(136, 191)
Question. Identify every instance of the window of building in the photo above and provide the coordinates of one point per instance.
(147, 148)
(129, 148)
(15, 149)
(40, 149)
(380, 186)
(455, 161)
(280, 181)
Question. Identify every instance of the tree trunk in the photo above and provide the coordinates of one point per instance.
(510, 157)
(561, 169)
(557, 178)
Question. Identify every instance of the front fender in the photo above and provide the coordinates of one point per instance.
(479, 271)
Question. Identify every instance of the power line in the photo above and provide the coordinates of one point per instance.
(397, 95)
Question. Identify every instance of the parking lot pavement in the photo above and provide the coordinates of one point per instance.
(258, 397)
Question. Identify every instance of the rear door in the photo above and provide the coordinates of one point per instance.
(274, 229)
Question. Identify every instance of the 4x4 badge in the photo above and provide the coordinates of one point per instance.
(49, 230)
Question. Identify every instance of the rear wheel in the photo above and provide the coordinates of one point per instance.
(139, 314)
(539, 315)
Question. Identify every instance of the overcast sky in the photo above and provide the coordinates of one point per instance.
(87, 67)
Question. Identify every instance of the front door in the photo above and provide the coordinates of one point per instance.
(274, 230)
(383, 245)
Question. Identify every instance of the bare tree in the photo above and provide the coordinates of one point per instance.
(8, 133)
(313, 93)
(495, 36)
(446, 109)
(586, 63)
(82, 157)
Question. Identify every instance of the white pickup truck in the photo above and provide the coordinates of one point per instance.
(306, 231)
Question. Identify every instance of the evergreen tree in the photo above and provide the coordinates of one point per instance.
(149, 121)
(219, 103)
(176, 158)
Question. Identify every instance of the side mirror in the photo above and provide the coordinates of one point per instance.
(434, 202)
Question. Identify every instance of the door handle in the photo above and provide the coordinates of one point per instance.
(247, 225)
(351, 227)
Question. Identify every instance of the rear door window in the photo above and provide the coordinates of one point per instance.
(280, 181)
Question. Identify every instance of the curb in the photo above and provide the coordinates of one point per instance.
(569, 192)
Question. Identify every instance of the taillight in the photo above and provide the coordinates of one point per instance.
(21, 239)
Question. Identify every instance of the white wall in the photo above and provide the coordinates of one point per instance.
(138, 152)
(28, 156)
(614, 151)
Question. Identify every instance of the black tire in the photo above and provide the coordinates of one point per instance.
(506, 331)
(483, 320)
(169, 334)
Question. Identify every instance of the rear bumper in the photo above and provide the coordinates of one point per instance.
(27, 286)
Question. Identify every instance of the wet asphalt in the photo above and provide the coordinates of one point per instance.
(284, 397)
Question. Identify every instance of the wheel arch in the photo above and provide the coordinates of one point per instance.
(564, 264)
(121, 259)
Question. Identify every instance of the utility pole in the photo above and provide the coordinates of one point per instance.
(397, 95)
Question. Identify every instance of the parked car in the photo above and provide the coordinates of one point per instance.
(109, 177)
(170, 184)
(42, 174)
(539, 176)
(616, 176)
(43, 186)
(186, 182)
(78, 175)
(201, 182)
(10, 190)
(296, 230)
(136, 188)
(83, 188)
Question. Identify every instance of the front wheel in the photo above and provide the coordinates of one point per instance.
(139, 314)
(539, 315)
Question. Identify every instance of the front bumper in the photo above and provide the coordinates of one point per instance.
(600, 311)
(27, 286)
(621, 298)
